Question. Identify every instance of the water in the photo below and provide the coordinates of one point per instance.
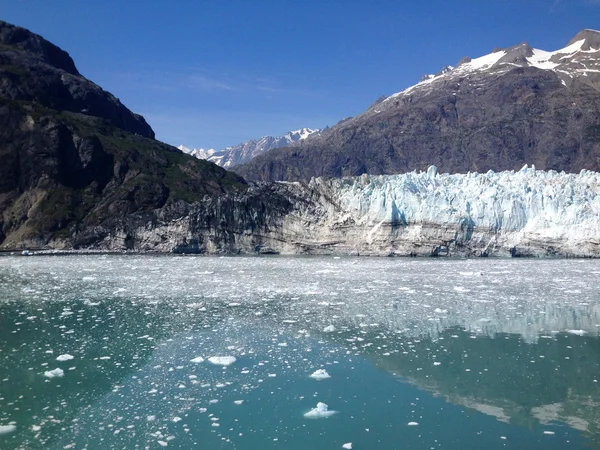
(421, 353)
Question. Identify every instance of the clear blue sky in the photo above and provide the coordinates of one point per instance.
(216, 73)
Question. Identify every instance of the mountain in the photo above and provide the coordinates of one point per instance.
(74, 159)
(512, 107)
(244, 152)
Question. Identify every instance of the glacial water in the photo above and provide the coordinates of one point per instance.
(135, 352)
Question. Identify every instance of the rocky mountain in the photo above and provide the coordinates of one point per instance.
(244, 152)
(512, 107)
(73, 157)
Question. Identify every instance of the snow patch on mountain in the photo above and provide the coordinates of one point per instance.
(578, 59)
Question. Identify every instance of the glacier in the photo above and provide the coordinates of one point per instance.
(524, 213)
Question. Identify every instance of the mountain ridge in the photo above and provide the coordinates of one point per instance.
(73, 157)
(238, 154)
(512, 107)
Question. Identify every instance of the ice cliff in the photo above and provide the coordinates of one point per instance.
(524, 213)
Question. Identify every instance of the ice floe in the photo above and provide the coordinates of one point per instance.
(222, 360)
(5, 429)
(321, 411)
(320, 374)
(65, 357)
(54, 373)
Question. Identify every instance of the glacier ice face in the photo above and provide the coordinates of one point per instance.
(524, 213)
(505, 210)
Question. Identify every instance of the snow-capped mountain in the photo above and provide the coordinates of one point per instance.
(511, 107)
(580, 58)
(244, 152)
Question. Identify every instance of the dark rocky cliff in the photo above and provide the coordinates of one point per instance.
(501, 117)
(73, 157)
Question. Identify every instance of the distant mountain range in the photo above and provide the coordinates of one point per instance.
(244, 152)
(512, 107)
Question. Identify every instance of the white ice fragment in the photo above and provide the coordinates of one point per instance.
(162, 443)
(176, 419)
(222, 360)
(54, 373)
(347, 445)
(151, 418)
(238, 402)
(329, 329)
(436, 363)
(320, 374)
(577, 332)
(413, 424)
(5, 429)
(548, 432)
(65, 357)
(197, 359)
(321, 411)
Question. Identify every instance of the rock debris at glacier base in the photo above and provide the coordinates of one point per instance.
(524, 213)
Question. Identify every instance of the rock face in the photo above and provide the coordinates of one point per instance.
(244, 152)
(528, 213)
(512, 107)
(72, 156)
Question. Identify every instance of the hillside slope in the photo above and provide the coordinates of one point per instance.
(72, 156)
(513, 107)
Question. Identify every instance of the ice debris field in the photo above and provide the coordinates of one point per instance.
(180, 352)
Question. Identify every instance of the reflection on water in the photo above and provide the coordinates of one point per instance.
(494, 353)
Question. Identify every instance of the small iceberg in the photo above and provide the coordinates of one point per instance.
(347, 445)
(222, 360)
(197, 360)
(5, 429)
(65, 357)
(321, 411)
(329, 329)
(413, 424)
(320, 374)
(54, 373)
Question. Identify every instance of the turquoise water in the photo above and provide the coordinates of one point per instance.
(421, 353)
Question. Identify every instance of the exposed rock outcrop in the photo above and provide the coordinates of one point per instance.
(72, 156)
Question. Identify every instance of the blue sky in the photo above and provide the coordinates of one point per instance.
(216, 73)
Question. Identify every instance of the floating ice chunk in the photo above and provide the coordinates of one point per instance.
(197, 359)
(54, 373)
(329, 329)
(238, 402)
(222, 360)
(321, 411)
(436, 363)
(413, 424)
(176, 419)
(577, 332)
(5, 429)
(320, 374)
(162, 443)
(150, 418)
(440, 311)
(347, 445)
(65, 357)
(548, 432)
